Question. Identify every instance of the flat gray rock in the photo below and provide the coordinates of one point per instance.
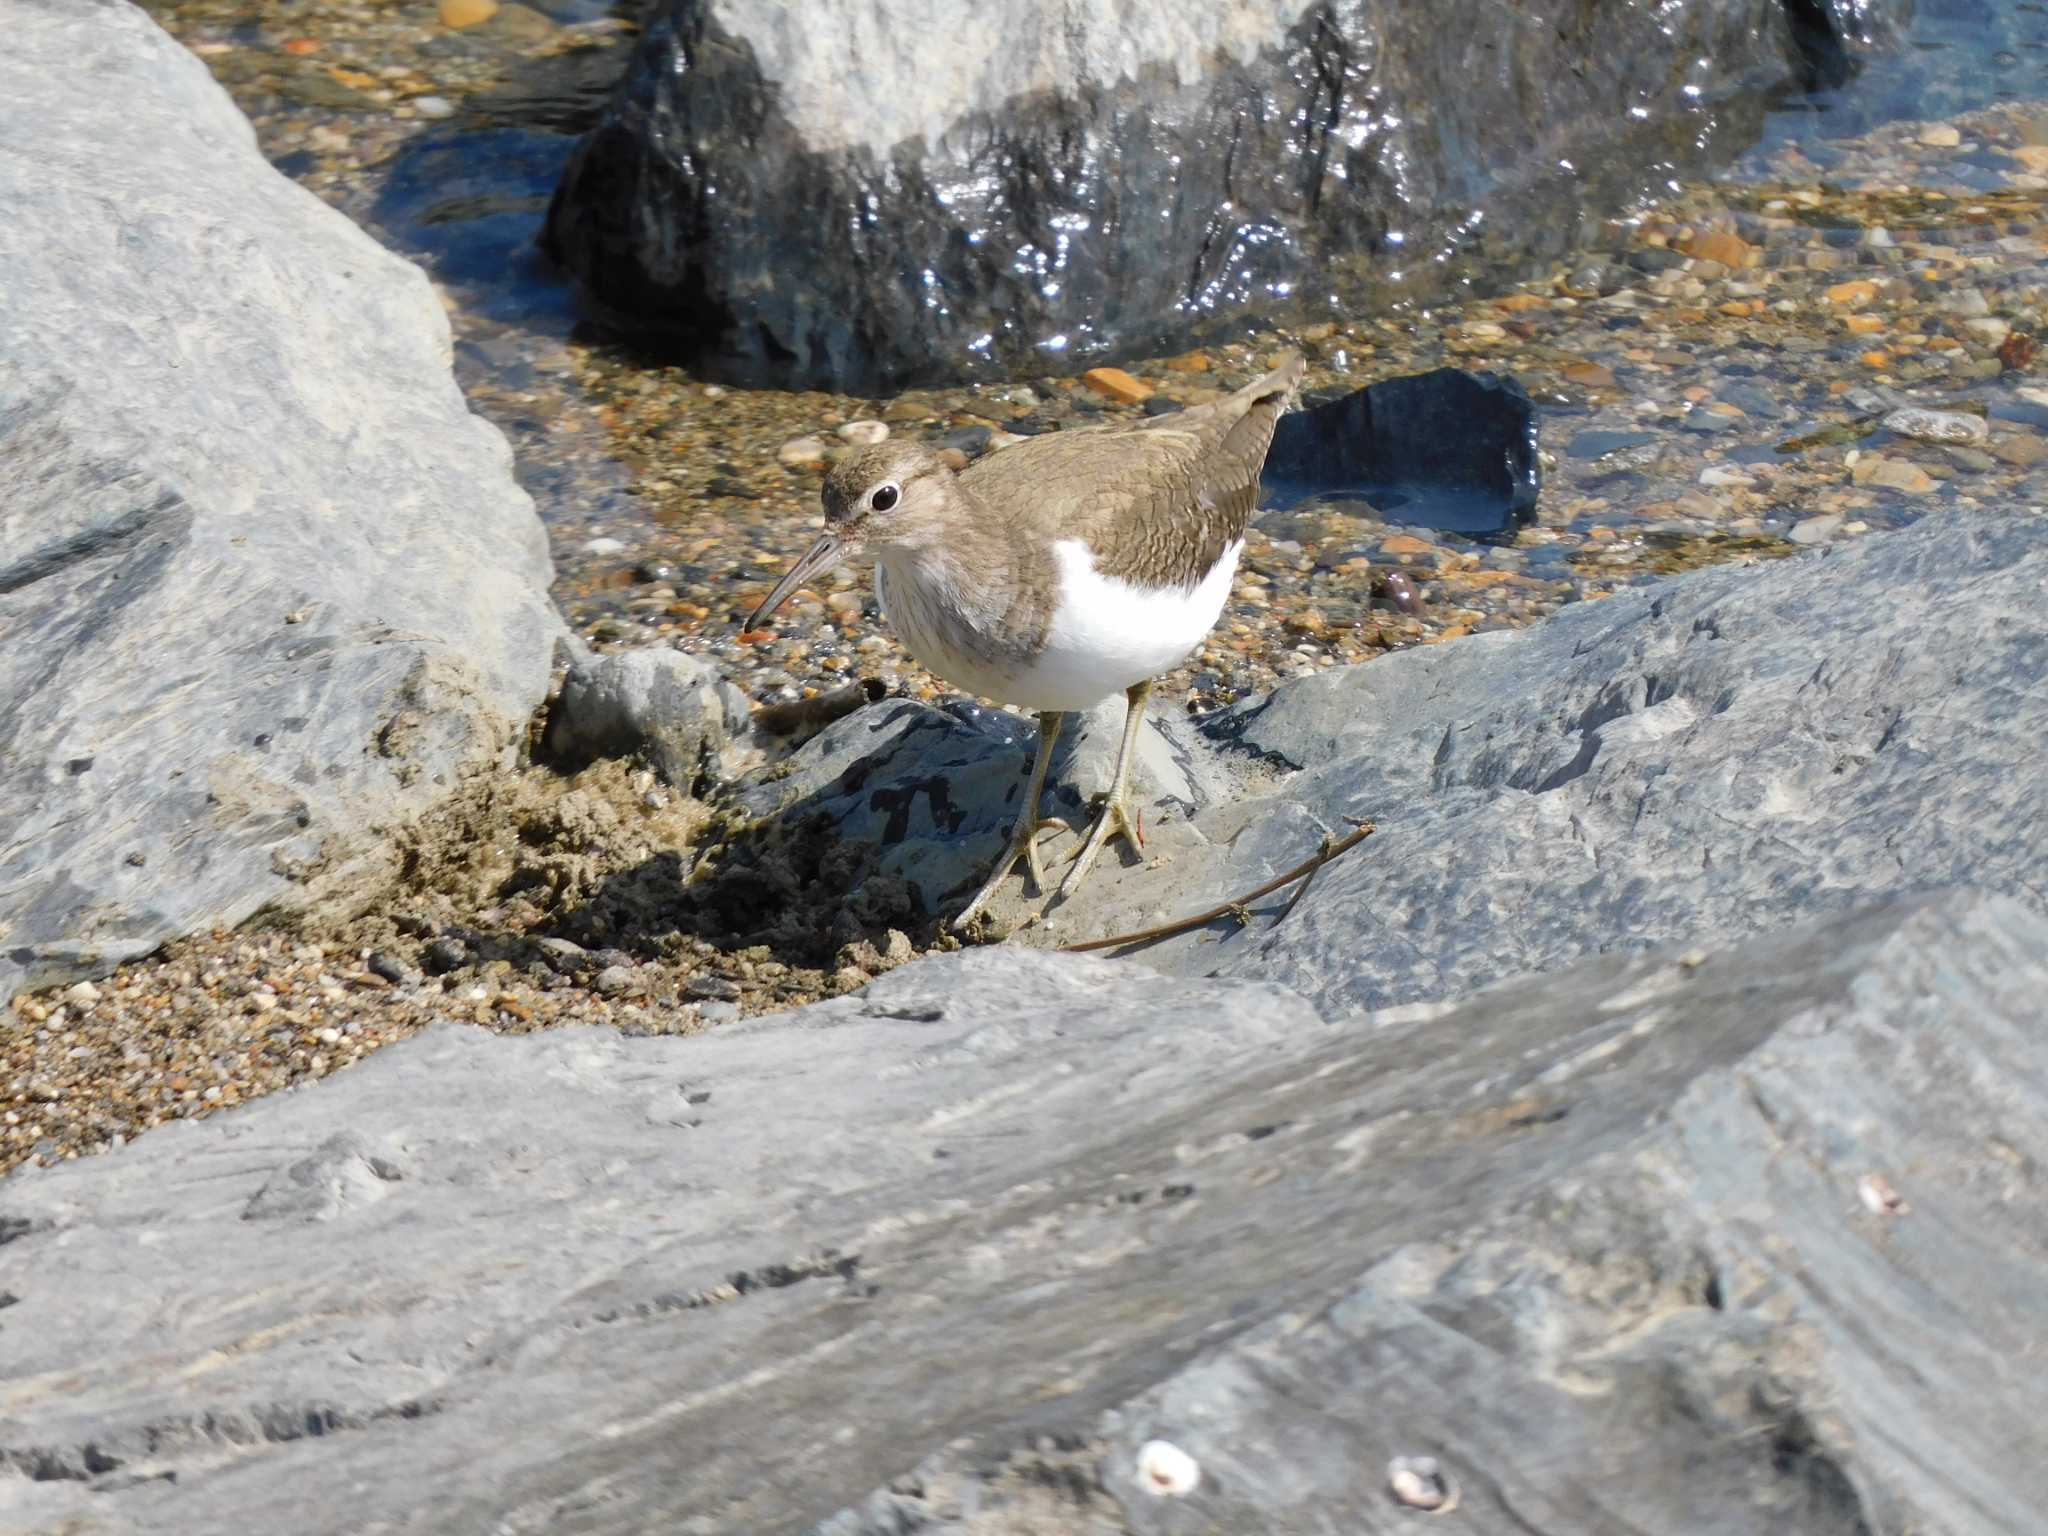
(265, 582)
(1710, 757)
(1693, 1244)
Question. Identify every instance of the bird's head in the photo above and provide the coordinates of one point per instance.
(893, 495)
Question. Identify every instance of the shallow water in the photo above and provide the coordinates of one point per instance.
(669, 509)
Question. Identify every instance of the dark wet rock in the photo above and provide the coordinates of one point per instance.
(1655, 258)
(241, 501)
(444, 955)
(1446, 449)
(933, 791)
(1709, 1241)
(1399, 591)
(804, 194)
(393, 970)
(671, 709)
(1604, 442)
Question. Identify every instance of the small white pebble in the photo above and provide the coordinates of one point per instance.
(1166, 1471)
(433, 106)
(865, 433)
(603, 546)
(1878, 1196)
(327, 1036)
(1420, 1483)
(83, 993)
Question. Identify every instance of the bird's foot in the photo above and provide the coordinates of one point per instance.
(1117, 819)
(1023, 845)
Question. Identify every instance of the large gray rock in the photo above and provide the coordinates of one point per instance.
(1707, 757)
(854, 193)
(1683, 1245)
(265, 582)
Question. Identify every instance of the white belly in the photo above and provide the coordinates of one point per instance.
(1106, 634)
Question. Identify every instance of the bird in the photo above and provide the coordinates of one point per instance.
(1057, 572)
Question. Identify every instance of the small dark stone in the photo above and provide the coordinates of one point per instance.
(381, 964)
(1161, 405)
(713, 987)
(138, 859)
(653, 570)
(968, 440)
(1400, 592)
(445, 955)
(1655, 258)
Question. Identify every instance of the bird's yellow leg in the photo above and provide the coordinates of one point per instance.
(1116, 819)
(1024, 837)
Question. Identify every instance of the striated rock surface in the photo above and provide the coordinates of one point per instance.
(851, 194)
(265, 582)
(1691, 1244)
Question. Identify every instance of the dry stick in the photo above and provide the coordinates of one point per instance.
(1304, 872)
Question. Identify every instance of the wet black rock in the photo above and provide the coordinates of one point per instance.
(445, 955)
(818, 195)
(1446, 449)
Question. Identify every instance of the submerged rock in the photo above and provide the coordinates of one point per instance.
(1446, 449)
(861, 193)
(265, 582)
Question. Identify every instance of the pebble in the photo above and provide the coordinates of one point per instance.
(1893, 474)
(1816, 530)
(1726, 476)
(444, 955)
(467, 13)
(604, 546)
(433, 106)
(1116, 384)
(802, 451)
(1166, 1471)
(2020, 450)
(1938, 426)
(1941, 136)
(864, 434)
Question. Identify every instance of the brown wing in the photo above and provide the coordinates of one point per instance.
(1158, 503)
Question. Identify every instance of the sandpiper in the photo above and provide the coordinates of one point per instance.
(1058, 571)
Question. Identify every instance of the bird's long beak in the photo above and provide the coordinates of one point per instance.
(818, 559)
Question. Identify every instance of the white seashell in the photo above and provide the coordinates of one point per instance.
(1878, 1196)
(1166, 1471)
(1420, 1483)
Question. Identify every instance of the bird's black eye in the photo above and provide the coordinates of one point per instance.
(884, 497)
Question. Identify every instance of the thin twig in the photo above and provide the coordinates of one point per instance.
(1238, 907)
